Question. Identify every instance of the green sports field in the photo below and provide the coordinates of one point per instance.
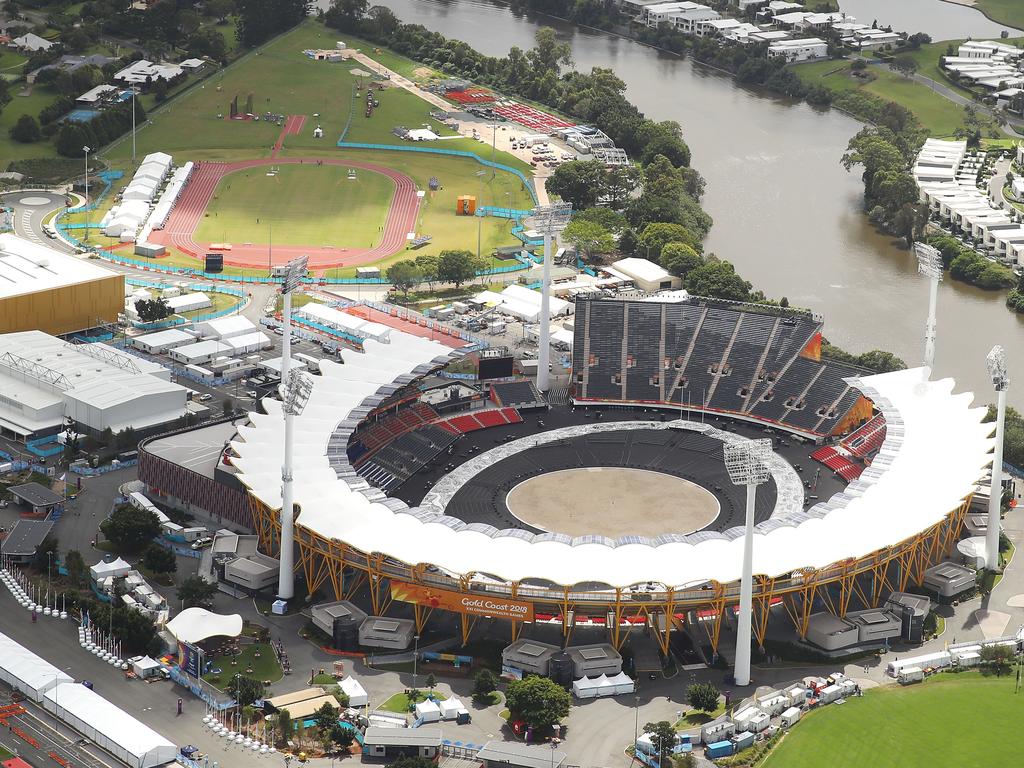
(299, 205)
(952, 720)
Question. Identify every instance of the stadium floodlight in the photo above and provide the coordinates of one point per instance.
(87, 149)
(1001, 381)
(929, 264)
(295, 393)
(548, 220)
(746, 461)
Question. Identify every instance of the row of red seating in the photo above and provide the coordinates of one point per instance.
(387, 429)
(867, 438)
(838, 463)
(471, 422)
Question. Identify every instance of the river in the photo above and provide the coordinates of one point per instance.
(941, 20)
(786, 213)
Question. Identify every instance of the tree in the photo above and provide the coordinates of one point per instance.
(663, 738)
(259, 19)
(905, 65)
(346, 14)
(285, 728)
(428, 264)
(579, 182)
(998, 657)
(153, 310)
(245, 690)
(718, 280)
(26, 130)
(680, 259)
(130, 529)
(196, 591)
(485, 683)
(588, 238)
(404, 276)
(538, 701)
(75, 565)
(858, 65)
(881, 361)
(431, 682)
(1013, 434)
(608, 218)
(702, 696)
(343, 737)
(655, 236)
(219, 9)
(229, 406)
(326, 717)
(70, 140)
(46, 552)
(456, 267)
(159, 559)
(136, 631)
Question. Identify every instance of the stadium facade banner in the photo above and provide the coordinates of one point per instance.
(446, 600)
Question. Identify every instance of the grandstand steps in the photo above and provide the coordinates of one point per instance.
(722, 363)
(760, 366)
(802, 397)
(834, 405)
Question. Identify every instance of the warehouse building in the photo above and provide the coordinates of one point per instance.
(44, 289)
(44, 381)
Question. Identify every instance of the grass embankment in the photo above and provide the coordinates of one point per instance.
(953, 719)
(937, 114)
(264, 666)
(1009, 12)
(284, 81)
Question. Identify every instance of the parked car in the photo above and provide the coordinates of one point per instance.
(205, 541)
(205, 398)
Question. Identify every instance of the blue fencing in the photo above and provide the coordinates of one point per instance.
(502, 213)
(175, 321)
(37, 446)
(93, 471)
(528, 183)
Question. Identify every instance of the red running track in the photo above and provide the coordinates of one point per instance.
(188, 212)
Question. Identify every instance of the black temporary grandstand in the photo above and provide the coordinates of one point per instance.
(517, 394)
(705, 354)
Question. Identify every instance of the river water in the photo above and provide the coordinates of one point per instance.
(941, 20)
(786, 213)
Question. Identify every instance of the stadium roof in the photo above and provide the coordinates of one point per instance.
(934, 453)
(27, 267)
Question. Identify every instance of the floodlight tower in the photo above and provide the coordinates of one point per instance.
(549, 220)
(747, 464)
(1001, 382)
(929, 264)
(293, 394)
(296, 394)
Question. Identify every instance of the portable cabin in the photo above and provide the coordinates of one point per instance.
(718, 749)
(790, 717)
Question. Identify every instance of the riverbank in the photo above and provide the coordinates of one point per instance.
(1009, 12)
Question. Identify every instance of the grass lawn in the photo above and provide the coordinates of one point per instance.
(953, 719)
(1004, 11)
(694, 718)
(300, 205)
(264, 667)
(221, 301)
(41, 96)
(400, 702)
(939, 115)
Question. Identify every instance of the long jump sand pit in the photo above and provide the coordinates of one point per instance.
(613, 502)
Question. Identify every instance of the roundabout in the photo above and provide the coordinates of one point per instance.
(612, 502)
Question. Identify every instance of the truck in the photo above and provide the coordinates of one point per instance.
(909, 675)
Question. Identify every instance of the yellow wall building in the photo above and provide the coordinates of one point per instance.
(44, 289)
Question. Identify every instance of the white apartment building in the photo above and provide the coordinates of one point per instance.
(801, 49)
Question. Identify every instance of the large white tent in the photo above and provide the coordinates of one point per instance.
(196, 624)
(115, 568)
(603, 685)
(129, 740)
(343, 322)
(352, 688)
(24, 671)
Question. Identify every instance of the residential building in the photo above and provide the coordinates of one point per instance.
(800, 49)
(32, 42)
(144, 71)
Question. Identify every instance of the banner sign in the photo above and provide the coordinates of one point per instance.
(475, 605)
(511, 673)
(188, 659)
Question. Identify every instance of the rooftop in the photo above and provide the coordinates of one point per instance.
(198, 450)
(25, 536)
(27, 267)
(526, 755)
(35, 494)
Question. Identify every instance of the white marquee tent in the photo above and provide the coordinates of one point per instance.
(24, 671)
(196, 624)
(115, 568)
(131, 741)
(603, 685)
(352, 688)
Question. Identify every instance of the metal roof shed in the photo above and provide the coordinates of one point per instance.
(112, 728)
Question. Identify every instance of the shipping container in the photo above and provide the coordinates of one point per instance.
(718, 749)
(743, 740)
(759, 722)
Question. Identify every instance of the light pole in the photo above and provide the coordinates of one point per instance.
(133, 125)
(929, 264)
(479, 200)
(87, 150)
(1001, 381)
(415, 659)
(747, 464)
(295, 391)
(549, 220)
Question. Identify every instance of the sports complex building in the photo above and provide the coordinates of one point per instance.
(610, 505)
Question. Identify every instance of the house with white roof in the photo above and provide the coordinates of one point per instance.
(32, 43)
(145, 71)
(800, 49)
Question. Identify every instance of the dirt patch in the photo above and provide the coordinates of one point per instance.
(360, 72)
(423, 72)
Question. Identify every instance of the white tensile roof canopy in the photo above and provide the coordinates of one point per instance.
(934, 453)
(194, 625)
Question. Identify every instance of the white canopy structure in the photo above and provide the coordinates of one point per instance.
(114, 568)
(129, 740)
(196, 624)
(603, 685)
(452, 708)
(357, 696)
(934, 452)
(428, 711)
(347, 324)
(24, 671)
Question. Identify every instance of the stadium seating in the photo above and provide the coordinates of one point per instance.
(516, 393)
(379, 433)
(722, 356)
(867, 438)
(838, 462)
(471, 422)
(406, 455)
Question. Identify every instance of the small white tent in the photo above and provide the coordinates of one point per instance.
(145, 667)
(451, 708)
(428, 711)
(352, 688)
(114, 568)
(585, 688)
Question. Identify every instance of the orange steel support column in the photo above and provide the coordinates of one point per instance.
(765, 593)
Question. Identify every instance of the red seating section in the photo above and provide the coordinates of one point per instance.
(481, 420)
(390, 427)
(838, 462)
(866, 439)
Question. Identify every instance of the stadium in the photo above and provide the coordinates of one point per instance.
(485, 513)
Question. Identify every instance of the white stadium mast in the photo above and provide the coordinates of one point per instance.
(747, 464)
(1001, 382)
(548, 220)
(929, 264)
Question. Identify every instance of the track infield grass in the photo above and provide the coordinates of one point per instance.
(307, 205)
(953, 719)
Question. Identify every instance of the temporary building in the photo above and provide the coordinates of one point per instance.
(790, 717)
(225, 327)
(343, 322)
(196, 624)
(357, 696)
(132, 742)
(428, 711)
(114, 568)
(189, 302)
(146, 666)
(602, 685)
(24, 671)
(585, 687)
(452, 708)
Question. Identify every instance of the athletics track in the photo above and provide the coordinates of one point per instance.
(188, 212)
